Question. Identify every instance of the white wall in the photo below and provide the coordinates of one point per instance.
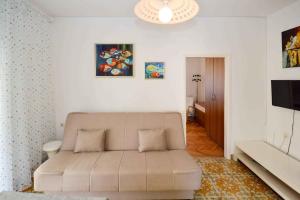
(242, 40)
(280, 119)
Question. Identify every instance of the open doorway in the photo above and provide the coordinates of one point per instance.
(205, 79)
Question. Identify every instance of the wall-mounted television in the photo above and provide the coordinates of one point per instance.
(286, 93)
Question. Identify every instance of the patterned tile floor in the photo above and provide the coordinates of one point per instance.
(229, 180)
(223, 179)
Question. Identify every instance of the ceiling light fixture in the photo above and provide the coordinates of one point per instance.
(166, 11)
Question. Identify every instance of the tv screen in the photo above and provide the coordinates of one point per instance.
(286, 93)
(295, 88)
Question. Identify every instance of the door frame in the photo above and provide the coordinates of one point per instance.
(228, 141)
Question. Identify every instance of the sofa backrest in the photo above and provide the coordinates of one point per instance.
(122, 128)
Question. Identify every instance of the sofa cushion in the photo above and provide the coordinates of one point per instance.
(90, 140)
(187, 173)
(123, 128)
(118, 171)
(56, 164)
(159, 171)
(48, 177)
(76, 175)
(105, 174)
(132, 172)
(172, 170)
(75, 121)
(152, 140)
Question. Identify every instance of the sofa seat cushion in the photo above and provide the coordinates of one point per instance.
(132, 172)
(105, 174)
(159, 171)
(187, 173)
(172, 170)
(111, 171)
(48, 177)
(76, 176)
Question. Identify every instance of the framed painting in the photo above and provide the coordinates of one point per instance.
(291, 48)
(154, 70)
(114, 60)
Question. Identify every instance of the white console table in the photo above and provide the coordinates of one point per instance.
(278, 170)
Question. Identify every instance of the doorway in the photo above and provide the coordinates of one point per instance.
(205, 80)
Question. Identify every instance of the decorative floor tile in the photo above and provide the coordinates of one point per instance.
(224, 179)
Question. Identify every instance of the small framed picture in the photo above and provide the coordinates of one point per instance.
(114, 60)
(154, 70)
(291, 48)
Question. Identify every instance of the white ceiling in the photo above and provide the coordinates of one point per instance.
(124, 8)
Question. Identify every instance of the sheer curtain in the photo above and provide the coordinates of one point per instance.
(26, 100)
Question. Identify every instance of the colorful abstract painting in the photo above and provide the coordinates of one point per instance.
(154, 70)
(114, 60)
(291, 48)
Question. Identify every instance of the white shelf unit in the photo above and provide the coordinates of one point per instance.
(278, 170)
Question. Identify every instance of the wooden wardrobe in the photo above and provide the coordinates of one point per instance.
(214, 99)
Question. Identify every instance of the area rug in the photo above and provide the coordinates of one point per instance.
(230, 180)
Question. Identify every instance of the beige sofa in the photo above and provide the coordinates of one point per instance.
(121, 172)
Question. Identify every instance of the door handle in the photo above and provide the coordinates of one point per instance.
(213, 97)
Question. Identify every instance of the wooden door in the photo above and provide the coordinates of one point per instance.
(219, 81)
(208, 82)
(214, 99)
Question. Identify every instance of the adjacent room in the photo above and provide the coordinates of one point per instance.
(205, 80)
(149, 99)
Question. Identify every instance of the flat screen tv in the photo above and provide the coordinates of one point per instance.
(286, 93)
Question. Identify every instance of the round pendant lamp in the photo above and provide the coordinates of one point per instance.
(166, 11)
